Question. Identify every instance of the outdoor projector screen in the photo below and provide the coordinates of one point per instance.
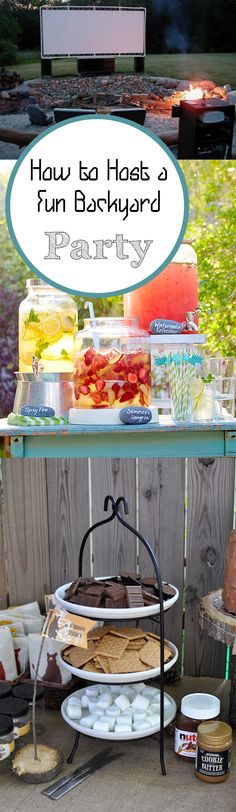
(92, 31)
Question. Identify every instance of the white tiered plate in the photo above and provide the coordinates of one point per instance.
(169, 715)
(112, 614)
(137, 676)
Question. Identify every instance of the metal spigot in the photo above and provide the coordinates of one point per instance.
(36, 366)
(190, 323)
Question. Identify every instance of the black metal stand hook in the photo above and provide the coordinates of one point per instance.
(116, 514)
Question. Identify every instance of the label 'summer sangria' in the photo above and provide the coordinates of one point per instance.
(112, 378)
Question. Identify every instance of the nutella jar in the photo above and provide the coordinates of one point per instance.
(18, 710)
(7, 743)
(195, 708)
(213, 757)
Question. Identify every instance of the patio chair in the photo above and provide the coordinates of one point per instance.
(137, 114)
(62, 113)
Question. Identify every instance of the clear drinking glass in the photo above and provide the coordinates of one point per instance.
(221, 367)
(203, 400)
(224, 398)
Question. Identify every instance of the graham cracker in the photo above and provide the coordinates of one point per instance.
(104, 663)
(129, 633)
(90, 666)
(150, 654)
(136, 645)
(80, 656)
(111, 646)
(98, 632)
(129, 662)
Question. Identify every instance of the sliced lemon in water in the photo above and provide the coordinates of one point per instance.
(32, 332)
(51, 326)
(198, 390)
(26, 353)
(67, 320)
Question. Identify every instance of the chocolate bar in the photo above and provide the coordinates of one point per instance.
(167, 591)
(130, 578)
(134, 596)
(88, 600)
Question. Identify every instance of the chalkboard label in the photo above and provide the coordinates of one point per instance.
(135, 415)
(37, 411)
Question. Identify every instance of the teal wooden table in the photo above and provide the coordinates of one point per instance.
(163, 439)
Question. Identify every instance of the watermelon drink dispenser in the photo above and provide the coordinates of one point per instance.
(168, 296)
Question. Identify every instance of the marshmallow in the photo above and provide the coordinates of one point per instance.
(110, 719)
(74, 711)
(102, 689)
(93, 707)
(149, 691)
(140, 702)
(124, 721)
(74, 700)
(103, 705)
(102, 727)
(127, 712)
(138, 687)
(88, 721)
(92, 690)
(84, 701)
(139, 715)
(154, 720)
(120, 727)
(122, 701)
(113, 710)
(106, 697)
(141, 725)
(115, 689)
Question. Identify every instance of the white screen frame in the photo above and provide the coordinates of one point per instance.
(125, 24)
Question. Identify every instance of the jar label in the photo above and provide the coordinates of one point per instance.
(21, 731)
(185, 743)
(6, 749)
(213, 764)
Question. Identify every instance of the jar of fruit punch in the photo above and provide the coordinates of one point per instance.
(48, 322)
(112, 364)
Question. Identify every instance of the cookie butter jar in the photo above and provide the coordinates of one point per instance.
(195, 708)
(213, 758)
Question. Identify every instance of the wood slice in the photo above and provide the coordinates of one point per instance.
(215, 620)
(33, 771)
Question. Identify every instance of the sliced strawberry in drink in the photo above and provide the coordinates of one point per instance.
(99, 385)
(84, 390)
(116, 388)
(128, 395)
(143, 375)
(96, 398)
(99, 362)
(88, 356)
(76, 394)
(132, 377)
(141, 398)
(104, 397)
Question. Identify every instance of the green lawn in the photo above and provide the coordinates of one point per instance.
(221, 68)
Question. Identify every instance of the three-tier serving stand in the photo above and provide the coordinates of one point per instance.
(155, 611)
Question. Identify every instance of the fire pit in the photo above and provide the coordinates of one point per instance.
(206, 128)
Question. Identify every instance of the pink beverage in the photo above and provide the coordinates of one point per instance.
(170, 295)
(116, 373)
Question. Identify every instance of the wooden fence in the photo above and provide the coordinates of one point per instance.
(185, 510)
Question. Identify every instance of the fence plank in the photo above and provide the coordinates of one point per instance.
(210, 519)
(3, 574)
(68, 517)
(26, 529)
(114, 549)
(161, 521)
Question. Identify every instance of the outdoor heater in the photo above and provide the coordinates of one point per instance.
(205, 128)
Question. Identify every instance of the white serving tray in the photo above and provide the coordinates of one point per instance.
(106, 416)
(169, 715)
(111, 614)
(113, 679)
